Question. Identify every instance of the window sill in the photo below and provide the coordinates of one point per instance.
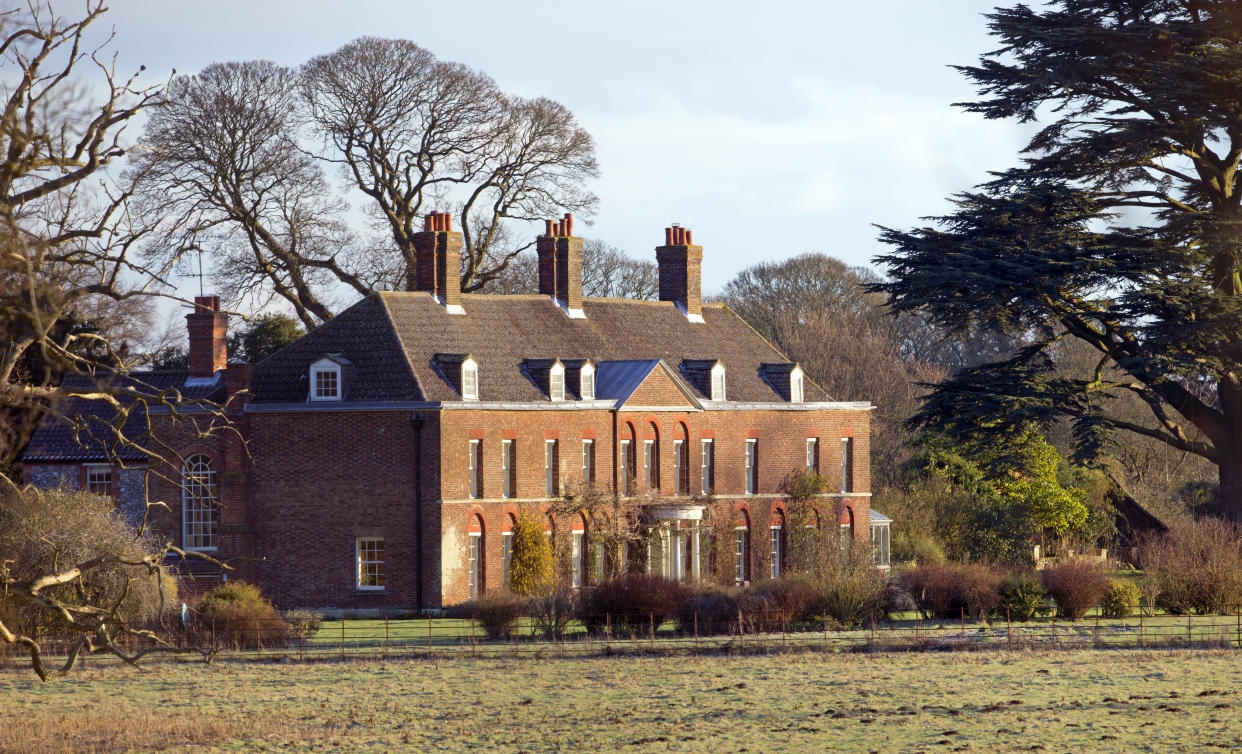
(362, 590)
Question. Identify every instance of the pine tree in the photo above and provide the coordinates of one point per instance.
(1121, 228)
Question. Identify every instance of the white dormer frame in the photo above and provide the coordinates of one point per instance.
(556, 382)
(718, 382)
(325, 381)
(796, 385)
(586, 382)
(469, 380)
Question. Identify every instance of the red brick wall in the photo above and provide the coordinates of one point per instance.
(316, 480)
(782, 447)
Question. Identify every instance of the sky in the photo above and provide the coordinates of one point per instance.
(769, 129)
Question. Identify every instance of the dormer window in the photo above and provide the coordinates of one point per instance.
(556, 382)
(469, 380)
(325, 380)
(718, 382)
(587, 385)
(795, 385)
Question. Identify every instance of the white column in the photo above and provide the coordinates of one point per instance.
(694, 553)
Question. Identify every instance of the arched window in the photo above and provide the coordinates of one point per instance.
(847, 529)
(741, 548)
(681, 461)
(776, 543)
(578, 550)
(476, 555)
(506, 548)
(199, 503)
(651, 458)
(625, 462)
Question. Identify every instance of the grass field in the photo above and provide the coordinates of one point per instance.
(1110, 700)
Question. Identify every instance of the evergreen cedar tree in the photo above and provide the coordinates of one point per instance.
(1120, 229)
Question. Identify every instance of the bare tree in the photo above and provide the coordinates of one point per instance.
(413, 133)
(68, 253)
(221, 169)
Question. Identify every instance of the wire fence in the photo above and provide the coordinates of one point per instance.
(649, 633)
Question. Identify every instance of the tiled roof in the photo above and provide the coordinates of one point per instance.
(393, 338)
(53, 440)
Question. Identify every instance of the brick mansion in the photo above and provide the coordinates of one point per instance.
(381, 460)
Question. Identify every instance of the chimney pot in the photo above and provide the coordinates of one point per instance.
(548, 229)
(668, 236)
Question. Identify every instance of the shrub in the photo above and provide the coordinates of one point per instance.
(851, 589)
(713, 609)
(632, 602)
(773, 604)
(552, 611)
(950, 591)
(1076, 586)
(1022, 597)
(497, 613)
(530, 565)
(240, 616)
(1195, 566)
(302, 623)
(1121, 600)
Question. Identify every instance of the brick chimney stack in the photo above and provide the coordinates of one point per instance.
(209, 330)
(681, 265)
(560, 263)
(437, 268)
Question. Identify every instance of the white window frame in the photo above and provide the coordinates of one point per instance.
(92, 483)
(549, 468)
(588, 461)
(718, 383)
(586, 382)
(506, 468)
(847, 465)
(740, 535)
(200, 503)
(369, 564)
(796, 385)
(623, 468)
(707, 460)
(556, 382)
(474, 553)
(476, 469)
(880, 545)
(577, 542)
(774, 546)
(752, 464)
(506, 556)
(812, 453)
(469, 380)
(325, 367)
(678, 446)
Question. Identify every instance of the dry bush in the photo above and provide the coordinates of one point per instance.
(773, 604)
(1195, 567)
(303, 624)
(710, 610)
(497, 613)
(851, 589)
(632, 603)
(950, 591)
(1076, 586)
(238, 615)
